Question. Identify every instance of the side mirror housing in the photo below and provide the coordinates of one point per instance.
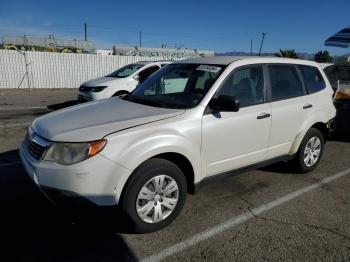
(225, 103)
(136, 77)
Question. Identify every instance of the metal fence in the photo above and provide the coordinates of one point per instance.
(56, 70)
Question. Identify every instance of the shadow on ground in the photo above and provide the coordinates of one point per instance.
(33, 229)
(280, 167)
(339, 138)
(62, 105)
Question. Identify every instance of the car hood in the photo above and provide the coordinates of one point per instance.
(99, 81)
(94, 120)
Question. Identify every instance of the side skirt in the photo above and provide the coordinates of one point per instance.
(214, 178)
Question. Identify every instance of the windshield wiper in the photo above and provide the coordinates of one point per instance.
(144, 101)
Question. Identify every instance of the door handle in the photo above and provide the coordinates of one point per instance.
(263, 115)
(307, 106)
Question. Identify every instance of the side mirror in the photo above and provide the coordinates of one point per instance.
(225, 103)
(136, 77)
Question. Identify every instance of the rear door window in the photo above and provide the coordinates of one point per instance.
(246, 84)
(284, 82)
(313, 78)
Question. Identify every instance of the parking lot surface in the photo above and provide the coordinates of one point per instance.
(270, 214)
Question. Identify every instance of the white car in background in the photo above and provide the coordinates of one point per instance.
(188, 123)
(119, 83)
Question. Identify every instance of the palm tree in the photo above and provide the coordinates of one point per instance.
(290, 53)
(322, 57)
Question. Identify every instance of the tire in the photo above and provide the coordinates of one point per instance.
(314, 141)
(120, 94)
(151, 203)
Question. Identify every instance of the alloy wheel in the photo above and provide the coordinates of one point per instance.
(312, 151)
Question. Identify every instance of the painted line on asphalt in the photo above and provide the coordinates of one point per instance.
(23, 108)
(10, 164)
(235, 221)
(14, 125)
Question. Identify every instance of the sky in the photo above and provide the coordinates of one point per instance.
(216, 25)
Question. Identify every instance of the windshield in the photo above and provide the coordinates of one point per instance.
(176, 86)
(125, 71)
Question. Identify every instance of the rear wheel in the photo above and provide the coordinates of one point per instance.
(310, 151)
(154, 195)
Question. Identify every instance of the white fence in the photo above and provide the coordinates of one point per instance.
(57, 70)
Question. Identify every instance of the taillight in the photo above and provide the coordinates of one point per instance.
(343, 93)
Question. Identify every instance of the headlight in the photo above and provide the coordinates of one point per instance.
(71, 153)
(98, 88)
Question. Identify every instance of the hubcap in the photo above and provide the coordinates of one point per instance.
(157, 199)
(312, 151)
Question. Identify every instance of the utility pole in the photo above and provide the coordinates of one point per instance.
(140, 36)
(85, 30)
(262, 42)
(251, 46)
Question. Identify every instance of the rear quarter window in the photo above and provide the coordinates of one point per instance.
(313, 78)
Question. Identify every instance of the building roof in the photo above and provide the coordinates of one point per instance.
(135, 50)
(48, 42)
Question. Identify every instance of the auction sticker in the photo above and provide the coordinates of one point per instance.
(209, 68)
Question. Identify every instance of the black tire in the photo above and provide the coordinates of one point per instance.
(298, 161)
(144, 173)
(121, 94)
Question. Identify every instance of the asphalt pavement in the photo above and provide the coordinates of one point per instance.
(269, 214)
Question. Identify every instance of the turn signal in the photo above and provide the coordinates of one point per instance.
(96, 146)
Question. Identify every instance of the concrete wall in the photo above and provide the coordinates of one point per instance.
(58, 70)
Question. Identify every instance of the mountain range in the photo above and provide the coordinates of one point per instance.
(305, 55)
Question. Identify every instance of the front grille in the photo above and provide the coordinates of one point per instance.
(34, 148)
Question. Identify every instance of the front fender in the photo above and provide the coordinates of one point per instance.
(131, 153)
(140, 151)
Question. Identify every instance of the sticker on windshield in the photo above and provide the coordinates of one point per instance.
(209, 68)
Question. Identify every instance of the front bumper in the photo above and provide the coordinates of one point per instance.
(95, 179)
(84, 97)
(90, 96)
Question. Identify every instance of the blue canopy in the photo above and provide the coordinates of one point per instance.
(340, 39)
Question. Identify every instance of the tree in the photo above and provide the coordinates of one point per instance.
(322, 57)
(289, 53)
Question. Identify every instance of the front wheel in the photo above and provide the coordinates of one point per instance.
(310, 151)
(154, 195)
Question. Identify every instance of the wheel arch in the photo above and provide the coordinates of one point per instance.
(323, 128)
(184, 164)
(121, 92)
(299, 138)
(176, 158)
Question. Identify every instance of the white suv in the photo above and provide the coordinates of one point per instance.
(119, 83)
(191, 121)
